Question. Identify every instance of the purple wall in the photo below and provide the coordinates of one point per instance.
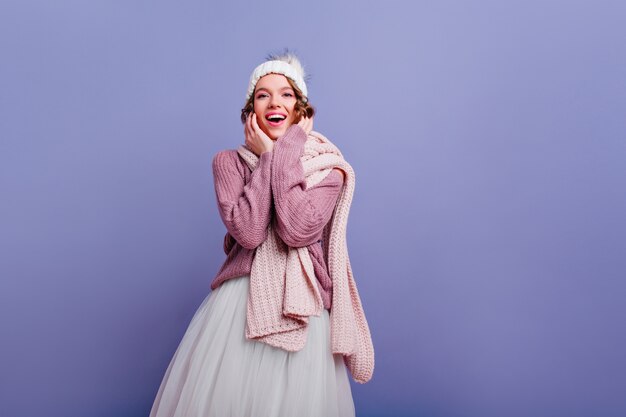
(487, 233)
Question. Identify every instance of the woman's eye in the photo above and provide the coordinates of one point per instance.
(288, 95)
(261, 95)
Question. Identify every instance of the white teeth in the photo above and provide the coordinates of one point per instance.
(275, 117)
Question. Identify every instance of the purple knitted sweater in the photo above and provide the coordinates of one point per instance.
(275, 191)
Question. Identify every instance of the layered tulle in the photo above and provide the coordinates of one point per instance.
(217, 372)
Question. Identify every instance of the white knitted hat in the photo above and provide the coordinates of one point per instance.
(292, 70)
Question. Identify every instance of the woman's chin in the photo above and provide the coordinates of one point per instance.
(273, 134)
(276, 133)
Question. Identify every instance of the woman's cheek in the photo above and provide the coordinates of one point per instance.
(263, 126)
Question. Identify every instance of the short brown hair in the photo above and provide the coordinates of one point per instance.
(302, 107)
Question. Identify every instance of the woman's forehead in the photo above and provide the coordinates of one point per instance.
(272, 80)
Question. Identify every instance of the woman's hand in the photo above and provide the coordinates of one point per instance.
(256, 139)
(306, 124)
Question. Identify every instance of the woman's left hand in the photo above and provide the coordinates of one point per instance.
(306, 124)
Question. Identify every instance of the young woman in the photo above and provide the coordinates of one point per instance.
(284, 318)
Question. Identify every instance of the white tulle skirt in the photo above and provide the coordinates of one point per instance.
(217, 372)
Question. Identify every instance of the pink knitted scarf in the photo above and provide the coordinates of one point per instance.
(283, 288)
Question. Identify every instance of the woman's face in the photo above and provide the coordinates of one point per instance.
(274, 102)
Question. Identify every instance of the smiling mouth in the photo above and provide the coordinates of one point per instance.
(276, 120)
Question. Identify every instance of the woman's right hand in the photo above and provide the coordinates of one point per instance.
(256, 140)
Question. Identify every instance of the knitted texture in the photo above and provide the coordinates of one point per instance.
(282, 282)
(249, 200)
(295, 72)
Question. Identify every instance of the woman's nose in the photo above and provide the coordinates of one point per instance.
(274, 101)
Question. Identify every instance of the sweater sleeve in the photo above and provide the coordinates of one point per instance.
(301, 213)
(245, 208)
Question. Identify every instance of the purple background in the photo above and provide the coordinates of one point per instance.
(487, 233)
